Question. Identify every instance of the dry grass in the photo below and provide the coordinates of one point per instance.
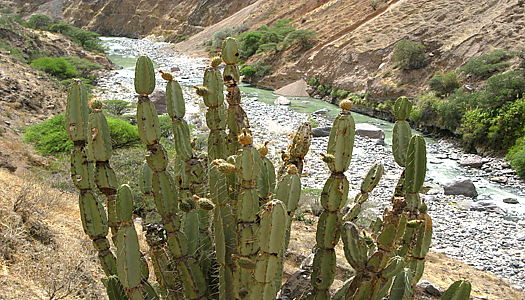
(44, 253)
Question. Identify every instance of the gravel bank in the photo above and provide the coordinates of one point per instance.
(489, 241)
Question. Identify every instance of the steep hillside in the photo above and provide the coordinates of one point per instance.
(138, 18)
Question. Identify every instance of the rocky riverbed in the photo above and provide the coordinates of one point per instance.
(492, 240)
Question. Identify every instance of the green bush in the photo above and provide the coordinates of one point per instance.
(303, 38)
(117, 107)
(516, 156)
(56, 66)
(502, 88)
(49, 137)
(314, 82)
(61, 27)
(488, 64)
(248, 72)
(250, 43)
(340, 94)
(444, 83)
(39, 22)
(409, 55)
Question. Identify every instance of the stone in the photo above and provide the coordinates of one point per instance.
(499, 179)
(322, 111)
(472, 161)
(511, 201)
(505, 165)
(488, 206)
(321, 131)
(380, 142)
(432, 290)
(282, 100)
(460, 186)
(369, 130)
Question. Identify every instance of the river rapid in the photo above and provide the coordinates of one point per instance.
(488, 240)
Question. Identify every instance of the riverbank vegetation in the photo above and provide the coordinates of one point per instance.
(482, 102)
(268, 42)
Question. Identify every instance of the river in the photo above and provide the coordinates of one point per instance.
(122, 52)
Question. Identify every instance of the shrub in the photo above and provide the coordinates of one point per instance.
(117, 107)
(303, 38)
(248, 72)
(250, 43)
(49, 137)
(84, 66)
(61, 27)
(87, 39)
(56, 66)
(39, 22)
(314, 81)
(122, 133)
(262, 68)
(444, 83)
(516, 156)
(487, 64)
(409, 55)
(502, 88)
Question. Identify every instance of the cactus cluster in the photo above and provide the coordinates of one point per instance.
(226, 218)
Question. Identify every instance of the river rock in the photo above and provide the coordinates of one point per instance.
(321, 131)
(511, 201)
(500, 179)
(282, 100)
(488, 206)
(472, 161)
(322, 111)
(158, 98)
(369, 130)
(460, 186)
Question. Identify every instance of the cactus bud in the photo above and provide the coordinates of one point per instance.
(224, 167)
(245, 263)
(166, 75)
(96, 104)
(185, 206)
(216, 61)
(205, 204)
(201, 90)
(423, 208)
(402, 108)
(346, 104)
(292, 169)
(245, 138)
(328, 158)
(263, 149)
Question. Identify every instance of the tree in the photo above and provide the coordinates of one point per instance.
(39, 22)
(250, 42)
(61, 27)
(83, 36)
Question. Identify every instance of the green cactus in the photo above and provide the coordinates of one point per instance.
(239, 235)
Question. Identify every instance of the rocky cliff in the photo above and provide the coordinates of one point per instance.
(137, 18)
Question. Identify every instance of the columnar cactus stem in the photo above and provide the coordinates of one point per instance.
(237, 119)
(99, 143)
(271, 236)
(266, 179)
(333, 198)
(164, 193)
(92, 212)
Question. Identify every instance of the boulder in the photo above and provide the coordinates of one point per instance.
(473, 161)
(460, 186)
(369, 130)
(511, 201)
(282, 100)
(321, 131)
(158, 98)
(488, 206)
(322, 111)
(500, 179)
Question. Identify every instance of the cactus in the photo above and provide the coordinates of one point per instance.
(251, 215)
